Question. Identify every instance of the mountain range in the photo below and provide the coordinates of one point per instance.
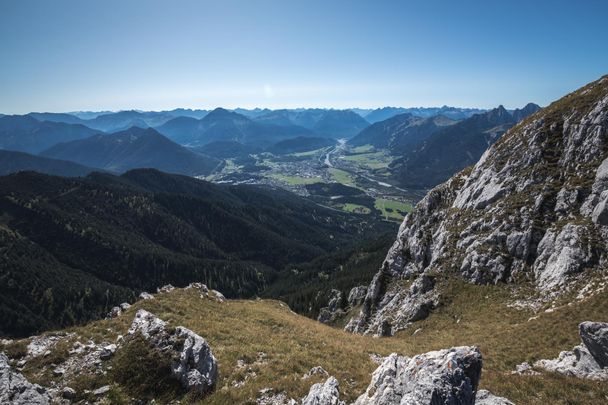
(27, 134)
(454, 147)
(454, 113)
(224, 125)
(400, 132)
(329, 123)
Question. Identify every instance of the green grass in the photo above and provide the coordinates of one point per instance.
(294, 180)
(292, 344)
(373, 160)
(357, 208)
(341, 176)
(392, 210)
(362, 149)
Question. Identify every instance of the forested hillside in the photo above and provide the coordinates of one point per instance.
(72, 248)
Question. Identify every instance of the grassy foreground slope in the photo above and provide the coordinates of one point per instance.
(278, 346)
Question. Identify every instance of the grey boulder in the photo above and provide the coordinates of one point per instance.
(484, 397)
(326, 393)
(439, 377)
(194, 364)
(595, 336)
(15, 389)
(586, 360)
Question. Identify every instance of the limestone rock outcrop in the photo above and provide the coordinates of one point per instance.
(194, 364)
(587, 360)
(440, 377)
(484, 397)
(595, 337)
(534, 207)
(15, 389)
(326, 393)
(333, 310)
(356, 296)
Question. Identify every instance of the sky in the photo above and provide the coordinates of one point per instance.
(155, 55)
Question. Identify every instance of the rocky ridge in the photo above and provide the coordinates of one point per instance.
(533, 209)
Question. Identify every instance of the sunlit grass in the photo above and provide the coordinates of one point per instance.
(372, 160)
(341, 176)
(391, 209)
(292, 344)
(356, 208)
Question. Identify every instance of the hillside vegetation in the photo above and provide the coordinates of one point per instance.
(73, 248)
(262, 344)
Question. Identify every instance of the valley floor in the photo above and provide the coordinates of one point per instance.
(363, 168)
(262, 344)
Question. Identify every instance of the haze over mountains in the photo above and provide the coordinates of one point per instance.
(401, 133)
(27, 134)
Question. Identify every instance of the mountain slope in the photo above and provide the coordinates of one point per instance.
(12, 162)
(453, 148)
(532, 211)
(133, 148)
(400, 133)
(26, 134)
(145, 229)
(340, 124)
(384, 113)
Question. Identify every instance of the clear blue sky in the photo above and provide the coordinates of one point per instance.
(109, 55)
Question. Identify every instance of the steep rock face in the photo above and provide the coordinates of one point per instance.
(17, 390)
(534, 207)
(333, 310)
(440, 377)
(193, 362)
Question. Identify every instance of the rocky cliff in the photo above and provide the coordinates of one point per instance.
(534, 209)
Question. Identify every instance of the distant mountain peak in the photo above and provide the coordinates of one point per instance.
(222, 114)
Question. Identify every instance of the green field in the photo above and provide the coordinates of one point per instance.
(341, 176)
(392, 210)
(356, 208)
(371, 160)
